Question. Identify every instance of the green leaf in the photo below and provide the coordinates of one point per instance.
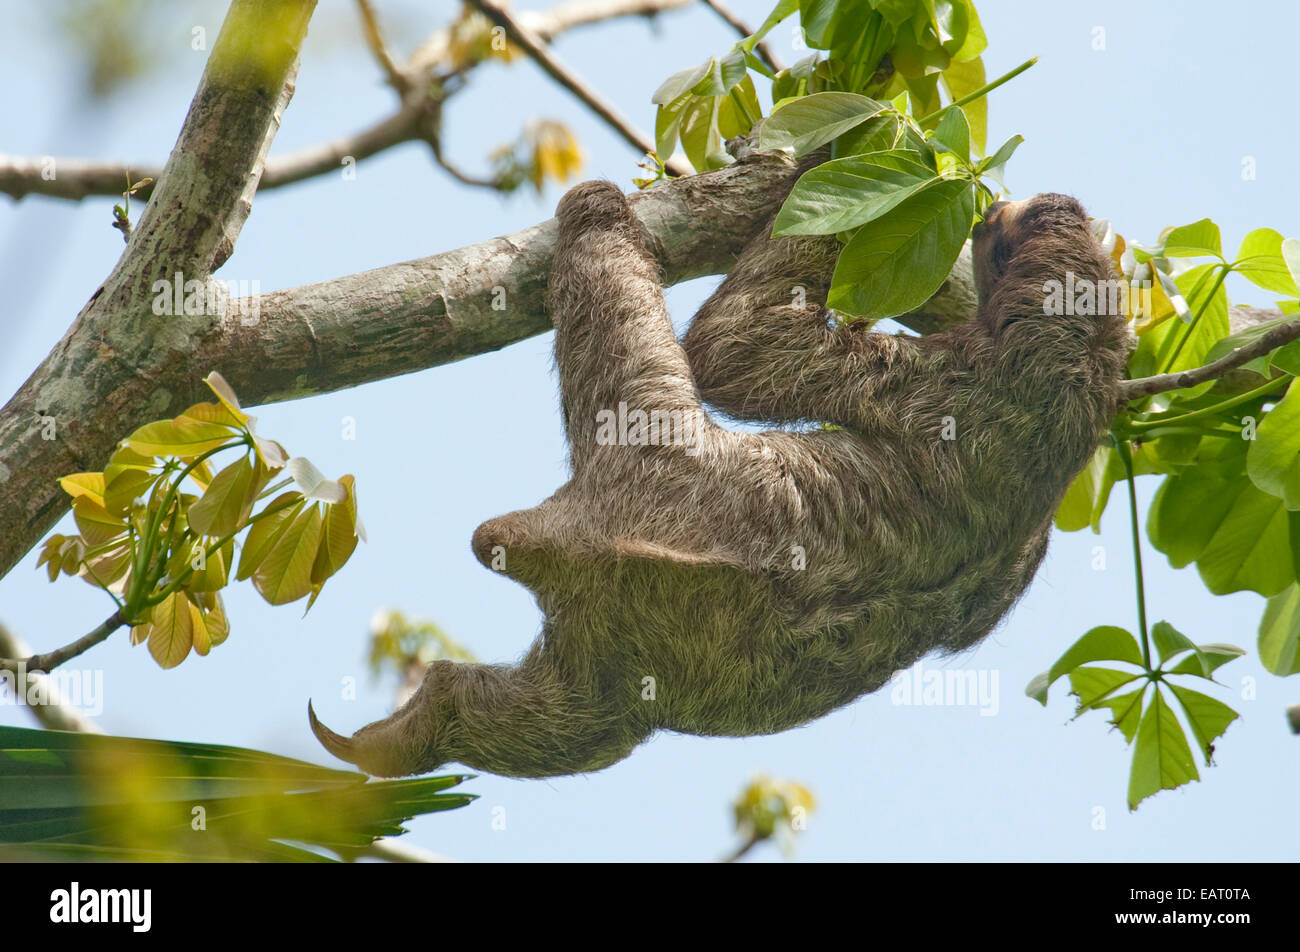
(1169, 641)
(1157, 346)
(668, 124)
(1214, 655)
(1237, 535)
(1162, 760)
(953, 132)
(961, 79)
(1125, 712)
(1208, 717)
(1260, 260)
(1291, 255)
(1086, 497)
(803, 124)
(1194, 240)
(895, 263)
(975, 41)
(844, 193)
(722, 75)
(1103, 643)
(680, 83)
(994, 163)
(1273, 459)
(1279, 633)
(1286, 358)
(816, 17)
(1091, 685)
(781, 11)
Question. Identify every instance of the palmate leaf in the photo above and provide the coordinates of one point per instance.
(1103, 643)
(1162, 759)
(1092, 685)
(86, 796)
(1208, 717)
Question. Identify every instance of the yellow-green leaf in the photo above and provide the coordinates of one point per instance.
(171, 630)
(183, 437)
(90, 485)
(96, 523)
(284, 574)
(266, 530)
(225, 505)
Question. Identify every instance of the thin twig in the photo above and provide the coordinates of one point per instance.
(465, 178)
(1146, 386)
(52, 659)
(739, 25)
(52, 711)
(544, 58)
(753, 840)
(375, 40)
(76, 179)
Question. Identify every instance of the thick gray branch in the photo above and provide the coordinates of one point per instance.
(121, 362)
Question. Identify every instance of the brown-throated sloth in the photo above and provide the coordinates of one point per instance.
(737, 583)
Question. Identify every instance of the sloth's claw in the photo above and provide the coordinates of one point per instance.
(344, 748)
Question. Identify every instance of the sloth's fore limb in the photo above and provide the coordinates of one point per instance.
(761, 348)
(614, 342)
(524, 721)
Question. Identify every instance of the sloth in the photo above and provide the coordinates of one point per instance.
(713, 582)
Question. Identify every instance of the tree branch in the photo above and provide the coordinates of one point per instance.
(47, 662)
(76, 179)
(120, 359)
(1146, 386)
(375, 40)
(53, 712)
(547, 60)
(739, 25)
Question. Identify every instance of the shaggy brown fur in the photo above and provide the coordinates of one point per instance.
(764, 580)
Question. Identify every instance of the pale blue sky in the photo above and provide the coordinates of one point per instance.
(1151, 131)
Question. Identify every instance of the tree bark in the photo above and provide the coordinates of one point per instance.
(120, 363)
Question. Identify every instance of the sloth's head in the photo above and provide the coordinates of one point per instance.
(1015, 231)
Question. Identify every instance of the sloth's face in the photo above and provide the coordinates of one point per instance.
(1009, 225)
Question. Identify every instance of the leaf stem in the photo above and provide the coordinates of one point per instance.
(1126, 455)
(1139, 425)
(982, 91)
